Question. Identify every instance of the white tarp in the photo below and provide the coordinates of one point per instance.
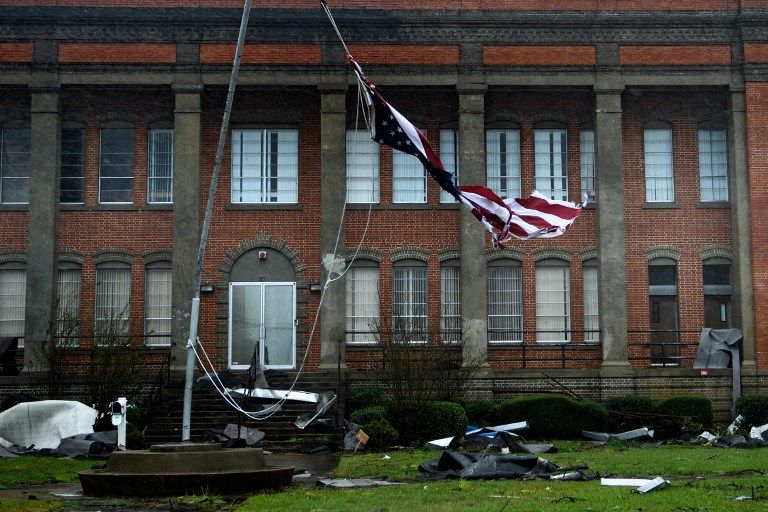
(44, 424)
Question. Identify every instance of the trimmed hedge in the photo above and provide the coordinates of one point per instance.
(481, 413)
(621, 411)
(364, 395)
(381, 434)
(754, 407)
(553, 416)
(418, 423)
(368, 414)
(698, 408)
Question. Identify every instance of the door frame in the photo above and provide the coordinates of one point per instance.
(262, 285)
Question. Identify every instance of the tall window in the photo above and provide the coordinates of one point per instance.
(160, 166)
(450, 301)
(113, 292)
(717, 293)
(157, 303)
(68, 303)
(13, 293)
(553, 301)
(659, 173)
(591, 317)
(362, 302)
(449, 155)
(265, 166)
(713, 166)
(15, 150)
(409, 300)
(551, 170)
(505, 302)
(503, 162)
(409, 178)
(116, 165)
(362, 167)
(662, 291)
(72, 164)
(587, 154)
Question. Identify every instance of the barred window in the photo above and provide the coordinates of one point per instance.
(503, 162)
(116, 165)
(265, 166)
(449, 155)
(72, 164)
(13, 296)
(113, 292)
(505, 302)
(587, 155)
(450, 301)
(659, 172)
(362, 302)
(158, 303)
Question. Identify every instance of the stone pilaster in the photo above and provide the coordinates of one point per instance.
(612, 270)
(187, 143)
(42, 248)
(333, 185)
(474, 299)
(738, 184)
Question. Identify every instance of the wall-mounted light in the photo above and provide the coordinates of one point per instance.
(206, 288)
(315, 287)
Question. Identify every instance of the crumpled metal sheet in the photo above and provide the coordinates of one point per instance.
(474, 466)
(44, 424)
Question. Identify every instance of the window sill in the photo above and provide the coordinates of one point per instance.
(448, 206)
(360, 345)
(115, 207)
(14, 207)
(262, 206)
(503, 344)
(714, 204)
(364, 206)
(159, 207)
(410, 206)
(661, 206)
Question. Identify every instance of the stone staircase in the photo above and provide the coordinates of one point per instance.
(210, 411)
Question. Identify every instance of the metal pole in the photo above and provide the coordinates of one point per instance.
(195, 313)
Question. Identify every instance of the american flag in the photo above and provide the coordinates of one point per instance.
(522, 218)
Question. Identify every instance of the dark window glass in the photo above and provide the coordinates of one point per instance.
(72, 159)
(662, 275)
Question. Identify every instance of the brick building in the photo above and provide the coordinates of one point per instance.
(110, 113)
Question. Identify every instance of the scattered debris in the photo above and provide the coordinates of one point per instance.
(350, 483)
(736, 425)
(631, 435)
(719, 348)
(488, 466)
(501, 437)
(44, 424)
(760, 433)
(642, 485)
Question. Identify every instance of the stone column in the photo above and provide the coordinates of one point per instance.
(474, 298)
(42, 247)
(333, 191)
(187, 144)
(738, 183)
(611, 249)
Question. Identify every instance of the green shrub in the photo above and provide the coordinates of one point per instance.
(381, 434)
(697, 408)
(754, 407)
(481, 413)
(368, 414)
(553, 416)
(418, 423)
(628, 412)
(363, 395)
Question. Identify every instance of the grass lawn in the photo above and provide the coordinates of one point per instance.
(18, 472)
(703, 479)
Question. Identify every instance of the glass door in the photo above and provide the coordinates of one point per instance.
(262, 321)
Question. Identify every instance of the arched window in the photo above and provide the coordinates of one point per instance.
(113, 293)
(505, 301)
(362, 281)
(450, 301)
(409, 300)
(662, 297)
(13, 296)
(157, 303)
(717, 293)
(553, 300)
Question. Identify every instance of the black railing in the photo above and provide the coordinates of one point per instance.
(663, 347)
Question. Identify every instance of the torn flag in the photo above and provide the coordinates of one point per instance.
(523, 218)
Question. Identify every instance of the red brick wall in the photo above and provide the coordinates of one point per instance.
(16, 52)
(261, 54)
(405, 54)
(756, 52)
(539, 55)
(117, 53)
(539, 5)
(675, 55)
(757, 157)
